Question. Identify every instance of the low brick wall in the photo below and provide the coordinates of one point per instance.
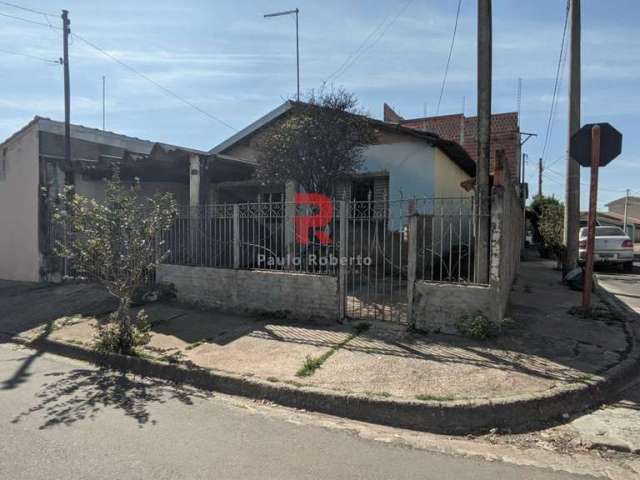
(438, 306)
(299, 295)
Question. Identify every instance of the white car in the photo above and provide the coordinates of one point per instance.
(612, 246)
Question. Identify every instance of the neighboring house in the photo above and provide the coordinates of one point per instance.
(505, 133)
(33, 172)
(617, 207)
(403, 163)
(615, 220)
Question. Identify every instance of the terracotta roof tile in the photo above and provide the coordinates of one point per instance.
(458, 128)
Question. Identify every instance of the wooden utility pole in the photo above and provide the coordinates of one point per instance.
(483, 200)
(540, 170)
(626, 208)
(572, 195)
(67, 100)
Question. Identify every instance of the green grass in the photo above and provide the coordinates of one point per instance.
(311, 364)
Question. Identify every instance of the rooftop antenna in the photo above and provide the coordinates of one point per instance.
(519, 98)
(291, 12)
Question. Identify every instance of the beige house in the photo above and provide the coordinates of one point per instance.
(403, 163)
(617, 208)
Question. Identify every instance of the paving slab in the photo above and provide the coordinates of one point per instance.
(615, 426)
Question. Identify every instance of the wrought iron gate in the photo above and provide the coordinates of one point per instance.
(381, 254)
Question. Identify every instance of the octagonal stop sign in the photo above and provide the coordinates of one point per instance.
(610, 144)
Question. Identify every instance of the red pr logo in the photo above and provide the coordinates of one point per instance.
(306, 222)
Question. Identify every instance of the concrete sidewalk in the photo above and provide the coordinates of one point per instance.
(542, 349)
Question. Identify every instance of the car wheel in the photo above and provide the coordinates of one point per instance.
(628, 267)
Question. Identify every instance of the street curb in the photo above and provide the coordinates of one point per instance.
(516, 414)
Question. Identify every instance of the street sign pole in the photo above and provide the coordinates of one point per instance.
(591, 228)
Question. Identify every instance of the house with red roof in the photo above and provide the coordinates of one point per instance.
(505, 133)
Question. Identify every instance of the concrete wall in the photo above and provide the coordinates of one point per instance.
(300, 296)
(506, 244)
(438, 306)
(19, 253)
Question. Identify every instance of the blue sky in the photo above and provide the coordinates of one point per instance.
(225, 58)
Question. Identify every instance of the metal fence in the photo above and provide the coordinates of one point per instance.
(375, 246)
(255, 235)
(445, 239)
(275, 236)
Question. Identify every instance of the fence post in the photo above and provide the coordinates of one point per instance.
(236, 235)
(291, 188)
(412, 254)
(343, 260)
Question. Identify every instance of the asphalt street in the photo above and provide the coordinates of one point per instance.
(61, 418)
(626, 286)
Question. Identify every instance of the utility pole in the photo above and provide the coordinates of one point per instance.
(484, 132)
(626, 208)
(572, 196)
(540, 170)
(67, 99)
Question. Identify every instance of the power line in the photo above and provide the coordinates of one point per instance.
(107, 54)
(547, 136)
(583, 184)
(27, 9)
(363, 48)
(150, 80)
(34, 22)
(555, 161)
(33, 57)
(357, 50)
(446, 68)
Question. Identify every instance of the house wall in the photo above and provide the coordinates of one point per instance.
(19, 177)
(448, 176)
(411, 167)
(298, 295)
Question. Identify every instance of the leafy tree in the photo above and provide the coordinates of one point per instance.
(115, 243)
(551, 226)
(537, 205)
(317, 143)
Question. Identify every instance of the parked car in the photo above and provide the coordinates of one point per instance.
(612, 246)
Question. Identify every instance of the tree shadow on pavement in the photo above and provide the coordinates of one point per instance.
(81, 394)
(22, 372)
